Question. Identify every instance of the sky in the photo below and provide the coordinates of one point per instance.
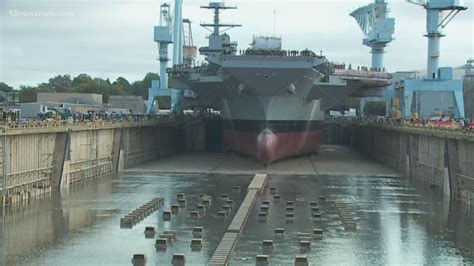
(113, 38)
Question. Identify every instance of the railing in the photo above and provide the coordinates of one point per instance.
(430, 129)
(64, 126)
(87, 169)
(28, 177)
(94, 124)
(362, 74)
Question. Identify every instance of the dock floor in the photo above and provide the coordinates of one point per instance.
(331, 160)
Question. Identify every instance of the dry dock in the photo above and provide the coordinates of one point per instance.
(390, 196)
(398, 221)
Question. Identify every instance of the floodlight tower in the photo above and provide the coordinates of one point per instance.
(377, 28)
(435, 23)
(162, 36)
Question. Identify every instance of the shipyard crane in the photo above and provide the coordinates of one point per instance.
(170, 30)
(162, 36)
(189, 49)
(377, 28)
(436, 21)
(416, 95)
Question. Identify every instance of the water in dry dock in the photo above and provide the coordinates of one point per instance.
(397, 222)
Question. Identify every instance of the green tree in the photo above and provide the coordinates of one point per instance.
(140, 88)
(61, 83)
(80, 79)
(44, 87)
(121, 86)
(27, 94)
(84, 83)
(103, 87)
(86, 87)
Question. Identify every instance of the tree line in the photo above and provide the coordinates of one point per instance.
(84, 83)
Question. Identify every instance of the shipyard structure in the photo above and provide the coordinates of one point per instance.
(133, 189)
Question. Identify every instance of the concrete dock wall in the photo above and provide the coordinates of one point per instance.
(337, 134)
(444, 160)
(37, 161)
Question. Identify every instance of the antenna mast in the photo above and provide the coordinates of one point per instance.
(215, 27)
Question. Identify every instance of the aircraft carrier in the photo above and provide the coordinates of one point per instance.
(272, 100)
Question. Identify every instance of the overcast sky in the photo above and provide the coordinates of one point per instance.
(112, 38)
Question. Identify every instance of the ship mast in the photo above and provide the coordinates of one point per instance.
(219, 43)
(218, 6)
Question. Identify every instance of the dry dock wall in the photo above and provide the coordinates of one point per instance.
(38, 160)
(440, 159)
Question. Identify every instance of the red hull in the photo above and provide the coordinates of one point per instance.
(268, 147)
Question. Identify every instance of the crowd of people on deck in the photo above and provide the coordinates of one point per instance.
(277, 52)
(106, 116)
(442, 122)
(91, 116)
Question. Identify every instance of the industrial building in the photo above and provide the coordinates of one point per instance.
(76, 98)
(134, 104)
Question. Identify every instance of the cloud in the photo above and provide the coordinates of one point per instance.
(111, 38)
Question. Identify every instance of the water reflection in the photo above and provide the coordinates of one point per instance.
(398, 222)
(82, 226)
